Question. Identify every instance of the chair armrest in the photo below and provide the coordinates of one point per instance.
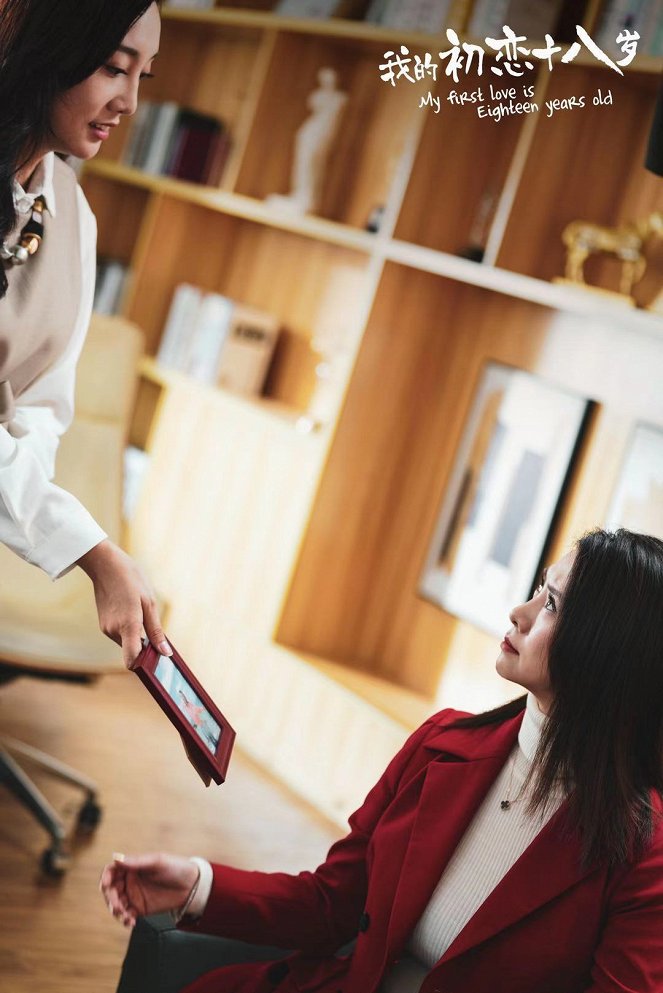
(163, 959)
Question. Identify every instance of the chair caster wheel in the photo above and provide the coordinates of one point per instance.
(54, 862)
(89, 816)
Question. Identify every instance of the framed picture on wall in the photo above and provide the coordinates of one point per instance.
(512, 466)
(637, 500)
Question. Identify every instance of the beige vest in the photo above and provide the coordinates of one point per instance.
(39, 312)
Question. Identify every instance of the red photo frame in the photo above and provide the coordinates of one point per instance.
(207, 736)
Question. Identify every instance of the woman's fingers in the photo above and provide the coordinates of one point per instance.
(113, 890)
(153, 628)
(131, 641)
(113, 887)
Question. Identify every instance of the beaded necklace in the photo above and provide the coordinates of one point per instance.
(31, 238)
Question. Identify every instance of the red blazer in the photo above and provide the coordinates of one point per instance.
(548, 927)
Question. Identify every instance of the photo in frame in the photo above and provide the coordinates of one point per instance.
(512, 466)
(637, 499)
(206, 734)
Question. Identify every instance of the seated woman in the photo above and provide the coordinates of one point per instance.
(518, 851)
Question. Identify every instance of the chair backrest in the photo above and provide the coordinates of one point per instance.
(89, 463)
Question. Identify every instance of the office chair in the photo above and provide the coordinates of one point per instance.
(50, 629)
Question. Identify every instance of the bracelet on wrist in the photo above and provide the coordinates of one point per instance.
(181, 912)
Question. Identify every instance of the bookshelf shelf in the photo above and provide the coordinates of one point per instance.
(342, 28)
(332, 27)
(169, 378)
(235, 205)
(403, 706)
(572, 300)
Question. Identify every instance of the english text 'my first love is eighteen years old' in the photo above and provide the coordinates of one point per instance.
(498, 102)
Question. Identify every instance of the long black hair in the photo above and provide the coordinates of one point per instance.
(603, 738)
(46, 47)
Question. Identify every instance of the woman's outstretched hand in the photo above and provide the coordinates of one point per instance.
(134, 886)
(125, 601)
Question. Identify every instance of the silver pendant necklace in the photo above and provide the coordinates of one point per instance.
(508, 800)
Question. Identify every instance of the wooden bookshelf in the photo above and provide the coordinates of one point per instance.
(302, 540)
(338, 27)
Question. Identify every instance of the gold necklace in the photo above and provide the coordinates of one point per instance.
(31, 238)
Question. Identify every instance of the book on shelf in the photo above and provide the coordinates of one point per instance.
(376, 10)
(169, 140)
(158, 141)
(248, 350)
(307, 8)
(194, 146)
(139, 128)
(643, 16)
(208, 337)
(218, 341)
(215, 163)
(655, 35)
(531, 18)
(176, 338)
(428, 16)
(136, 465)
(488, 18)
(191, 4)
(109, 286)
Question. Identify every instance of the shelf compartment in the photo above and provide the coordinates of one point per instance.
(460, 169)
(354, 594)
(594, 173)
(119, 211)
(214, 71)
(225, 497)
(336, 27)
(298, 279)
(376, 124)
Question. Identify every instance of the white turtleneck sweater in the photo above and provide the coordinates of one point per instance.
(493, 842)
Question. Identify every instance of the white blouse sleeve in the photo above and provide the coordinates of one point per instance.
(38, 520)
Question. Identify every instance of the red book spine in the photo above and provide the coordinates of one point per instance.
(194, 153)
(217, 158)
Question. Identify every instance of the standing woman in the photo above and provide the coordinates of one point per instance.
(69, 71)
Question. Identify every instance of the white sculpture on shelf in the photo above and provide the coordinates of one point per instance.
(313, 143)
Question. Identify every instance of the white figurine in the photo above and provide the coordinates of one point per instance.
(312, 146)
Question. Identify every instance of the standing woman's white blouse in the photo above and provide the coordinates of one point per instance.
(41, 522)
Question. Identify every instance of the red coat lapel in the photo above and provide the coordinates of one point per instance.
(455, 783)
(453, 788)
(529, 884)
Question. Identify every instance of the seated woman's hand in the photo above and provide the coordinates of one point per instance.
(134, 886)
